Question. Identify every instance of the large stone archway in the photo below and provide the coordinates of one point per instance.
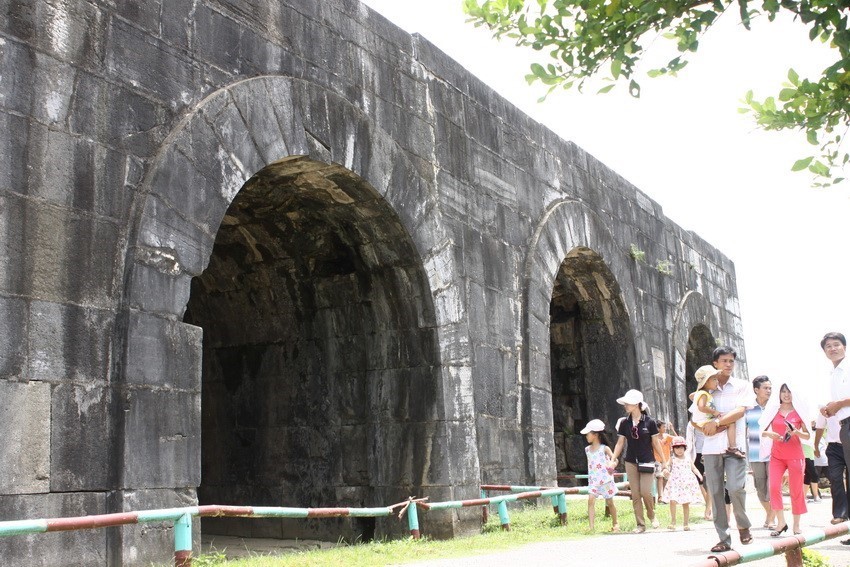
(307, 216)
(320, 378)
(572, 277)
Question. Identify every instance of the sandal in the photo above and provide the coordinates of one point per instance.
(672, 527)
(721, 547)
(686, 528)
(746, 536)
(615, 528)
(735, 452)
(835, 521)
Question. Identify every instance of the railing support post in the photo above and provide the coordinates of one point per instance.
(413, 520)
(503, 516)
(562, 508)
(794, 557)
(555, 509)
(183, 541)
(485, 509)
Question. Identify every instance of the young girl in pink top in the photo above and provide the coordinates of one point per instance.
(784, 424)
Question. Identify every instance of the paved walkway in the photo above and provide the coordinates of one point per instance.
(655, 548)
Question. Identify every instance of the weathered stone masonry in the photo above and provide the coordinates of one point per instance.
(284, 253)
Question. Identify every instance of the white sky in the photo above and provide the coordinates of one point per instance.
(685, 145)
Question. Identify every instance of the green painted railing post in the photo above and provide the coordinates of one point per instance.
(413, 520)
(554, 499)
(503, 516)
(183, 541)
(562, 508)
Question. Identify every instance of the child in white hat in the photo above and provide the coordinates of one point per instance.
(703, 411)
(600, 480)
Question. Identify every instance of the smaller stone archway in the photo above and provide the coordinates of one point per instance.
(591, 351)
(694, 339)
(572, 274)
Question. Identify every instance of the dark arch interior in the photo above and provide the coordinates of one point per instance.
(320, 356)
(592, 353)
(701, 345)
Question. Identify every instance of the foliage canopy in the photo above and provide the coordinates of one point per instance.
(585, 38)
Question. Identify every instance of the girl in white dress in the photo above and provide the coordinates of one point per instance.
(682, 486)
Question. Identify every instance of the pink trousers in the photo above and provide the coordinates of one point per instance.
(795, 469)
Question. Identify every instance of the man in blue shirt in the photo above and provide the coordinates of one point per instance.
(759, 464)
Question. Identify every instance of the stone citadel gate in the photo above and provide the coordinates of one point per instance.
(284, 253)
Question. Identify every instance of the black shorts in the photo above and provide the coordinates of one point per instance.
(811, 476)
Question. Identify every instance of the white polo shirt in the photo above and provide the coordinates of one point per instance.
(736, 393)
(839, 384)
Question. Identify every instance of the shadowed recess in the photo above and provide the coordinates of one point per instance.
(592, 353)
(320, 355)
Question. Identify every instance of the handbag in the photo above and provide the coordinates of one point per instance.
(646, 467)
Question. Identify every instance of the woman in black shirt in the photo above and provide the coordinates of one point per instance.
(638, 433)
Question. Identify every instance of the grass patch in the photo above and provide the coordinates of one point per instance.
(528, 524)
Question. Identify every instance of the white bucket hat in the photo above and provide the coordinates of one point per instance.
(704, 373)
(593, 425)
(633, 397)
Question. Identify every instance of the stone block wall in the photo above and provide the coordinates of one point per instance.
(441, 223)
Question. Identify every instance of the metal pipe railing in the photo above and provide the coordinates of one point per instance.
(791, 546)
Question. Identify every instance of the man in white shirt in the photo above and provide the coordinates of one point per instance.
(732, 398)
(834, 346)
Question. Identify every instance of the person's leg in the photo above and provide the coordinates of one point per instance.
(760, 481)
(844, 435)
(647, 481)
(777, 469)
(672, 525)
(736, 482)
(714, 485)
(795, 490)
(686, 516)
(612, 509)
(634, 486)
(835, 473)
(591, 511)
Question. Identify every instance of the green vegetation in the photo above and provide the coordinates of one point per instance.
(581, 39)
(528, 525)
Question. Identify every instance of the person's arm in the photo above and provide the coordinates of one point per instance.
(770, 434)
(695, 470)
(618, 449)
(818, 437)
(832, 407)
(802, 432)
(656, 446)
(724, 420)
(702, 405)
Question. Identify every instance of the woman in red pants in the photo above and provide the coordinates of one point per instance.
(783, 423)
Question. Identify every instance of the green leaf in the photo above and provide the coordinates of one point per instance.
(605, 89)
(616, 67)
(812, 137)
(787, 94)
(819, 168)
(802, 164)
(793, 77)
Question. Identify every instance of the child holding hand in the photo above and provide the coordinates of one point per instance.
(599, 468)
